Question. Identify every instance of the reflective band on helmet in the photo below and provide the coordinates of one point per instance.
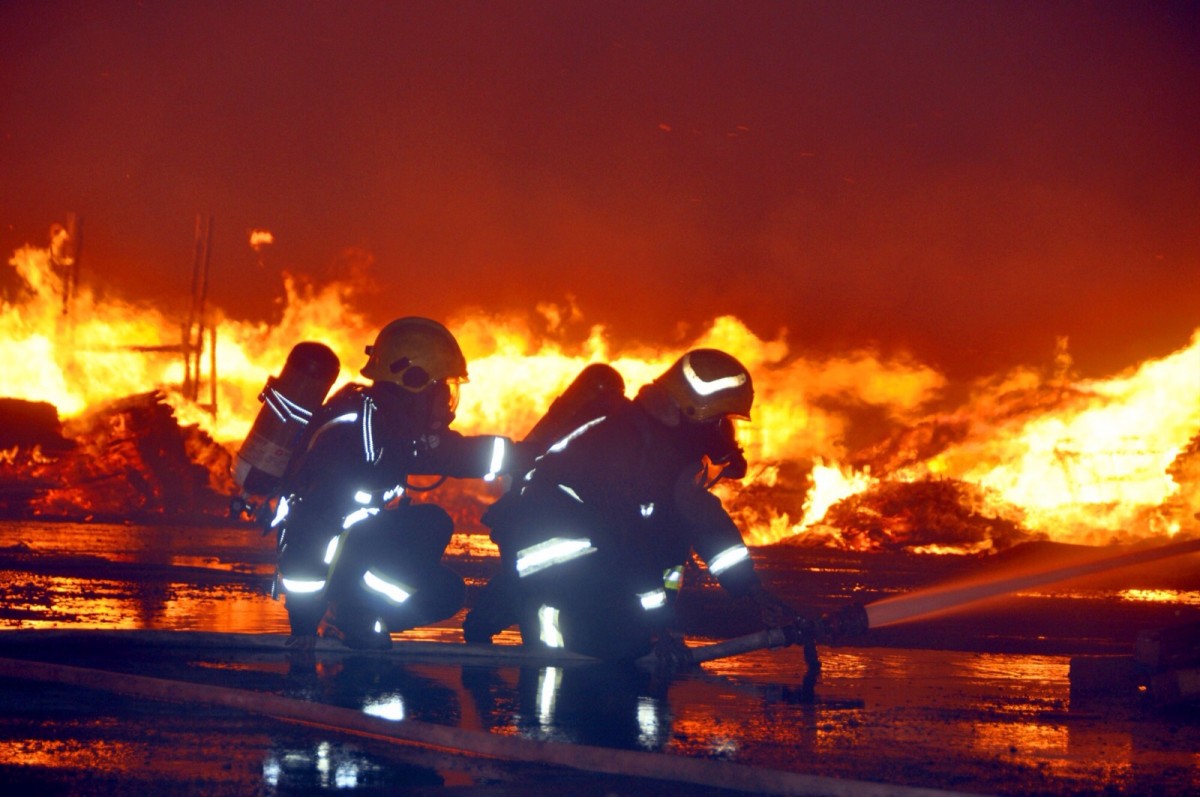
(570, 492)
(497, 459)
(358, 515)
(554, 551)
(302, 586)
(561, 444)
(548, 630)
(331, 549)
(395, 592)
(654, 599)
(673, 577)
(706, 388)
(727, 559)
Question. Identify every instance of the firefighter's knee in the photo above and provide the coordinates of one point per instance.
(432, 523)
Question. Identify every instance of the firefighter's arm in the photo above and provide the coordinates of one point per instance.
(467, 457)
(669, 650)
(715, 537)
(719, 543)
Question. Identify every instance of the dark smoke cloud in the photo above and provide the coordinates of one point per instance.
(965, 181)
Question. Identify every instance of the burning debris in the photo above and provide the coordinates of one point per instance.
(927, 515)
(26, 424)
(1030, 454)
(129, 459)
(1185, 470)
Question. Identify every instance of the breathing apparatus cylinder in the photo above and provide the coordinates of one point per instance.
(289, 401)
(592, 394)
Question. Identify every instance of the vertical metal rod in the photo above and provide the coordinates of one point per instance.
(212, 368)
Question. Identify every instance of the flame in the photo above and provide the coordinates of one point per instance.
(1084, 460)
(1029, 454)
(260, 239)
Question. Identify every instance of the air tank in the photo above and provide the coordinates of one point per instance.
(289, 400)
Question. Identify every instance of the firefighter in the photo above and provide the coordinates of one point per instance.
(355, 550)
(593, 538)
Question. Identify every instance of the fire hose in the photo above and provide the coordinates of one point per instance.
(463, 742)
(844, 623)
(856, 619)
(849, 621)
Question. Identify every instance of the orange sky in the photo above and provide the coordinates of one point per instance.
(965, 181)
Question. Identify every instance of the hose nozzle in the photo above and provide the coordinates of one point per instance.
(849, 621)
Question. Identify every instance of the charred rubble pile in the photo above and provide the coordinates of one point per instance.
(129, 459)
(905, 515)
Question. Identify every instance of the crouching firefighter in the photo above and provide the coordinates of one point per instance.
(594, 537)
(354, 550)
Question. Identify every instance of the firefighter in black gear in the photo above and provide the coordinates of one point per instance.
(354, 549)
(594, 537)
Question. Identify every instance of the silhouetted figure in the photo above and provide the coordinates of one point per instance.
(593, 539)
(353, 548)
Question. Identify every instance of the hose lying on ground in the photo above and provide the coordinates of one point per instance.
(630, 763)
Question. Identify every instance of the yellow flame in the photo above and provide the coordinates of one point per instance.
(1090, 460)
(261, 238)
(1074, 460)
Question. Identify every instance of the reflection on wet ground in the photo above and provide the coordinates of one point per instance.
(116, 576)
(907, 707)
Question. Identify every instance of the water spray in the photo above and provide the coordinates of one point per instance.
(938, 600)
(856, 619)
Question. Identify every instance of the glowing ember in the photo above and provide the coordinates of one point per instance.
(1029, 454)
(260, 239)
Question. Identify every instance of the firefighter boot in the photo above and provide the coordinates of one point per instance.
(358, 629)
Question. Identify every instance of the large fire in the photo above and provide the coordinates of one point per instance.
(1035, 453)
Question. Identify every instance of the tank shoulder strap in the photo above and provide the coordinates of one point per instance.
(344, 403)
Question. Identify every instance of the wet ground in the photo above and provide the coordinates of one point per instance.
(979, 701)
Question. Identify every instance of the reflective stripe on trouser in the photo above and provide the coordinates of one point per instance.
(302, 586)
(554, 551)
(391, 589)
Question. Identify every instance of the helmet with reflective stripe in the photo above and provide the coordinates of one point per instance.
(708, 384)
(414, 352)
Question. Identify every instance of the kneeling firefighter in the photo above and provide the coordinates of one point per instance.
(594, 537)
(354, 549)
